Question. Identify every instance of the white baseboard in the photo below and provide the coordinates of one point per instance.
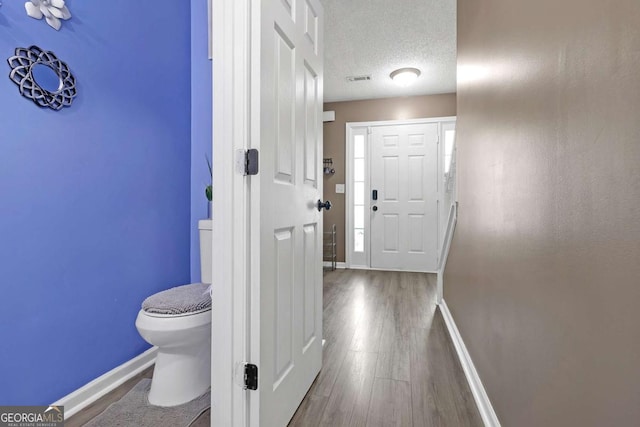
(487, 413)
(358, 267)
(364, 267)
(339, 265)
(89, 393)
(402, 270)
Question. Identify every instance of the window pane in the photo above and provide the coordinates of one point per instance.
(358, 217)
(358, 241)
(358, 193)
(358, 146)
(449, 138)
(358, 170)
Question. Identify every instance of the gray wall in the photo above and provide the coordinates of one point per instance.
(544, 274)
(402, 108)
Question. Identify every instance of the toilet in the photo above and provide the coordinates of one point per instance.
(178, 322)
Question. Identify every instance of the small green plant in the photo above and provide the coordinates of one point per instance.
(208, 191)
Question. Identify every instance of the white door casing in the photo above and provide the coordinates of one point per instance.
(286, 227)
(404, 171)
(230, 263)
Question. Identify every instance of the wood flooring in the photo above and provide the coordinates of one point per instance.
(388, 359)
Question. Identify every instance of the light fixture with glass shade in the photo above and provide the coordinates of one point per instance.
(405, 76)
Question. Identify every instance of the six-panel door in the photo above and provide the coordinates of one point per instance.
(404, 171)
(290, 183)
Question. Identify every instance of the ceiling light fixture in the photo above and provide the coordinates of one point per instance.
(405, 76)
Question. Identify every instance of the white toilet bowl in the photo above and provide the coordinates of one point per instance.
(178, 322)
(183, 364)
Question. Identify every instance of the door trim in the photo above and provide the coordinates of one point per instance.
(231, 45)
(350, 128)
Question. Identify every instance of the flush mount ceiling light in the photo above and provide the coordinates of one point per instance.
(405, 76)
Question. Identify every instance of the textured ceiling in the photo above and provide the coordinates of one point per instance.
(375, 37)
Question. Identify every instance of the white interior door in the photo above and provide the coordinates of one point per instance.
(286, 325)
(404, 218)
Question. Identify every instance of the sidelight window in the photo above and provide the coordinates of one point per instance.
(358, 193)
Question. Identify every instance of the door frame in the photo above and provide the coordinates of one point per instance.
(230, 293)
(350, 130)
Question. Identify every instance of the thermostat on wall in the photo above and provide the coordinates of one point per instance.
(339, 188)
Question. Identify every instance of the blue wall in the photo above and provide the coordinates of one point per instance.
(94, 199)
(201, 118)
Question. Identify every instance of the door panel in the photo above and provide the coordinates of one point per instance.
(283, 350)
(310, 284)
(284, 103)
(404, 228)
(391, 176)
(417, 243)
(416, 184)
(311, 125)
(289, 270)
(311, 25)
(391, 233)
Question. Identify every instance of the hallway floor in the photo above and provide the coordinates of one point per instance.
(388, 359)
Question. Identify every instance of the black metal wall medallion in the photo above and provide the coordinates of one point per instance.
(42, 77)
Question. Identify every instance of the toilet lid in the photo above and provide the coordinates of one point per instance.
(179, 300)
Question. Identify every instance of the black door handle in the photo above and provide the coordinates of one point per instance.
(326, 205)
(375, 208)
(374, 196)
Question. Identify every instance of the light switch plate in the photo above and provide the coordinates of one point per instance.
(339, 188)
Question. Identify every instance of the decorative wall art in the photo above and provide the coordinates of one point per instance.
(51, 10)
(42, 77)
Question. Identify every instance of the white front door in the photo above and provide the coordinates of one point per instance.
(286, 249)
(404, 218)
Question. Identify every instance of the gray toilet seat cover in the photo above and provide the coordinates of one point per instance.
(179, 300)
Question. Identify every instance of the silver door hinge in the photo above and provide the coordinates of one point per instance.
(247, 161)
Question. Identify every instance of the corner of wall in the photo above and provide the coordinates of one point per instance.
(201, 124)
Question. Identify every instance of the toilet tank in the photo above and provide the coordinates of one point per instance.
(206, 240)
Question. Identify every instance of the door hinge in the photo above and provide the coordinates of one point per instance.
(250, 377)
(247, 161)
